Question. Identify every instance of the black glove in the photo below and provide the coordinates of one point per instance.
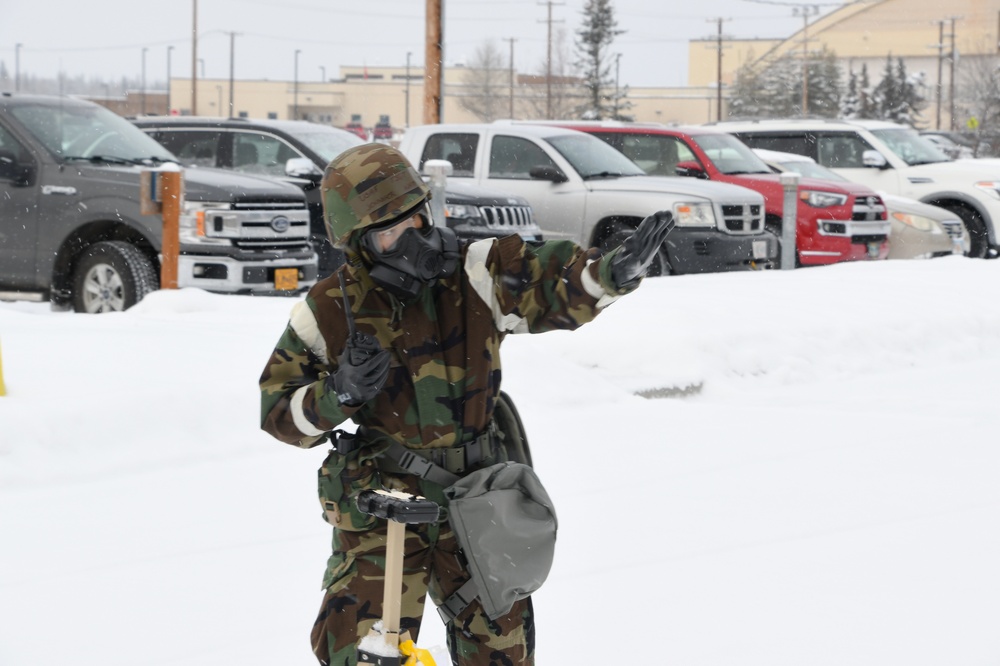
(363, 369)
(638, 250)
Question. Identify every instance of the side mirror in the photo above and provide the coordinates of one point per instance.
(18, 174)
(690, 169)
(872, 159)
(300, 167)
(549, 173)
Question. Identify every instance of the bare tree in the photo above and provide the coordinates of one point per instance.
(978, 96)
(566, 86)
(486, 85)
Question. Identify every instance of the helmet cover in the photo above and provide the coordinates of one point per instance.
(366, 186)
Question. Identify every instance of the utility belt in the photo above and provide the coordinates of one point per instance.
(458, 460)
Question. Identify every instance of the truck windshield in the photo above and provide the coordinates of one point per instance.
(592, 158)
(730, 155)
(327, 144)
(89, 132)
(910, 146)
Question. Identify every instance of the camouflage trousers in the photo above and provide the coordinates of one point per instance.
(431, 564)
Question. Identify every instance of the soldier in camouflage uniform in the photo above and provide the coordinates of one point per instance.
(438, 310)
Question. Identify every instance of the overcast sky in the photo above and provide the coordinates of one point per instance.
(105, 38)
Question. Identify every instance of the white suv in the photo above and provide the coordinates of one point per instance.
(892, 158)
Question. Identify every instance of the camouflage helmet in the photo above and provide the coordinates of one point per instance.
(366, 186)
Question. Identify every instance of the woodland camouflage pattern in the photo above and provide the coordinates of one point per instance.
(443, 382)
(367, 186)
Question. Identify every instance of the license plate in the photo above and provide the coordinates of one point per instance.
(760, 249)
(286, 279)
(873, 249)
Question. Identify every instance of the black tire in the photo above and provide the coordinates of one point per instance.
(661, 263)
(979, 240)
(112, 276)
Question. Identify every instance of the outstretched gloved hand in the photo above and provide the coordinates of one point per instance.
(362, 371)
(638, 250)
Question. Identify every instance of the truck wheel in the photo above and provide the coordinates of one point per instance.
(112, 276)
(979, 240)
(661, 263)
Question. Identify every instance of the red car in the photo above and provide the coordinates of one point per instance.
(835, 222)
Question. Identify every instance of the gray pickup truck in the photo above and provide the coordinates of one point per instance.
(71, 228)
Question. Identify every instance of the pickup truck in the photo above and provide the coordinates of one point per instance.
(72, 228)
(583, 190)
(834, 220)
(891, 158)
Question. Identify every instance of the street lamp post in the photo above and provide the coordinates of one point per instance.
(322, 71)
(408, 54)
(17, 67)
(218, 89)
(295, 113)
(169, 49)
(142, 105)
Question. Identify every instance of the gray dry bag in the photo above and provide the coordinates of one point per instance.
(506, 526)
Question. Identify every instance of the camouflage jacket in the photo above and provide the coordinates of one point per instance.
(445, 369)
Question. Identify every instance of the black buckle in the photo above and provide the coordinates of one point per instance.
(345, 442)
(415, 464)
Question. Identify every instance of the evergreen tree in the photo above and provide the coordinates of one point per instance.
(594, 40)
(745, 99)
(911, 101)
(850, 103)
(866, 107)
(886, 96)
(824, 85)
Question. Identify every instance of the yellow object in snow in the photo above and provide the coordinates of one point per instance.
(415, 655)
(3, 389)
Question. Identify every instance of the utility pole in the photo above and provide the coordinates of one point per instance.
(17, 67)
(295, 112)
(618, 57)
(142, 105)
(232, 67)
(169, 52)
(805, 11)
(548, 62)
(718, 66)
(940, 63)
(194, 60)
(322, 74)
(510, 113)
(434, 62)
(951, 75)
(408, 54)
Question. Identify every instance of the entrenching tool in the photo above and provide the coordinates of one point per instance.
(381, 647)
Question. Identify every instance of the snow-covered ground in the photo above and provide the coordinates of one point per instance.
(830, 495)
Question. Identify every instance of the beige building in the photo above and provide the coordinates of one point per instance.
(860, 33)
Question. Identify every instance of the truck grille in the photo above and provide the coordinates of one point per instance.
(507, 216)
(743, 218)
(953, 228)
(868, 209)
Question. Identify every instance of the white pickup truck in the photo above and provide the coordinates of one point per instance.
(891, 158)
(583, 190)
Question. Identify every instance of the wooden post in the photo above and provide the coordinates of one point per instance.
(392, 593)
(171, 198)
(433, 65)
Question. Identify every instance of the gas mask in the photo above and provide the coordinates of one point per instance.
(404, 262)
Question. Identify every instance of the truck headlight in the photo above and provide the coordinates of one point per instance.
(694, 215)
(918, 222)
(820, 199)
(460, 210)
(990, 187)
(194, 220)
